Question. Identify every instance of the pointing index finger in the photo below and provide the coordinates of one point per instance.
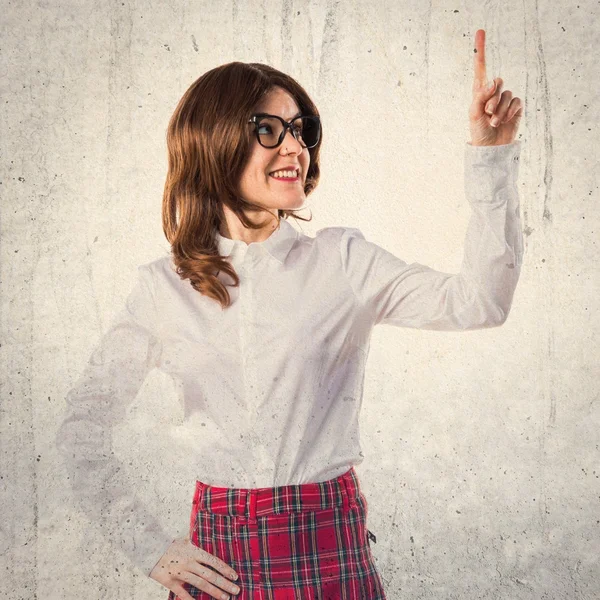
(479, 58)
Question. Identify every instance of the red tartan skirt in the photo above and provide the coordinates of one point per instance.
(295, 542)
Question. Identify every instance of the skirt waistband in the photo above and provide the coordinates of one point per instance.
(339, 492)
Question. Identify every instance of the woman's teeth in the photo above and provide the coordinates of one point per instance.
(290, 174)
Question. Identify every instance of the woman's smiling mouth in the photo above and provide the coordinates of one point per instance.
(285, 175)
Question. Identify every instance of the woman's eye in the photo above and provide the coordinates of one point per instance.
(268, 127)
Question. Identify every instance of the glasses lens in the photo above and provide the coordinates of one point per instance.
(306, 129)
(310, 131)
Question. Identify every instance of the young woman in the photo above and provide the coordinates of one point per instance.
(268, 331)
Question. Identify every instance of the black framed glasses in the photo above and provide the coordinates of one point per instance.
(271, 129)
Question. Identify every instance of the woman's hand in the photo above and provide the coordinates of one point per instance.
(488, 104)
(183, 562)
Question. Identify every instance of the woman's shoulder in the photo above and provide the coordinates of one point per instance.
(159, 267)
(339, 234)
(337, 230)
(333, 233)
(331, 240)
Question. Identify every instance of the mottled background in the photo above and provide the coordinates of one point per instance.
(482, 465)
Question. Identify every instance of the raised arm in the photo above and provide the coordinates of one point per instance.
(97, 402)
(393, 292)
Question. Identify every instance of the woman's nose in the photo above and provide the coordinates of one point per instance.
(291, 143)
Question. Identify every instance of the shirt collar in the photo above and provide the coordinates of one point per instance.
(278, 244)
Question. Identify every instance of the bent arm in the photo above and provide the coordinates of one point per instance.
(95, 404)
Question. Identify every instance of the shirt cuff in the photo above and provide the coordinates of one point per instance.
(493, 154)
(152, 553)
(491, 172)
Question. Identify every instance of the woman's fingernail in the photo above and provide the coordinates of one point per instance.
(489, 110)
(494, 122)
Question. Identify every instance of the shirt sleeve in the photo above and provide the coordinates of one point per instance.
(98, 401)
(479, 296)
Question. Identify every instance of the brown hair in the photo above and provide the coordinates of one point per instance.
(208, 145)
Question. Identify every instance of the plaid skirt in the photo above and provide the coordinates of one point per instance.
(295, 542)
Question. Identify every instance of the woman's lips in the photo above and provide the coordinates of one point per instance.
(291, 179)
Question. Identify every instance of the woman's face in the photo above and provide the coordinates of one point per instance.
(256, 183)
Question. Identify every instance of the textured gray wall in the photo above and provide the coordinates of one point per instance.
(482, 465)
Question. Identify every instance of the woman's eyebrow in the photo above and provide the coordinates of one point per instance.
(264, 114)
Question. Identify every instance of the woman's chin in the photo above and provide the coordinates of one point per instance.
(292, 204)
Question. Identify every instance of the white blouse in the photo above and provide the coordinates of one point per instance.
(273, 385)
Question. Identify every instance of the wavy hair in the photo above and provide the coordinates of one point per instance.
(208, 145)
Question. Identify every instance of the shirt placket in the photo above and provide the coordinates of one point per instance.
(262, 462)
